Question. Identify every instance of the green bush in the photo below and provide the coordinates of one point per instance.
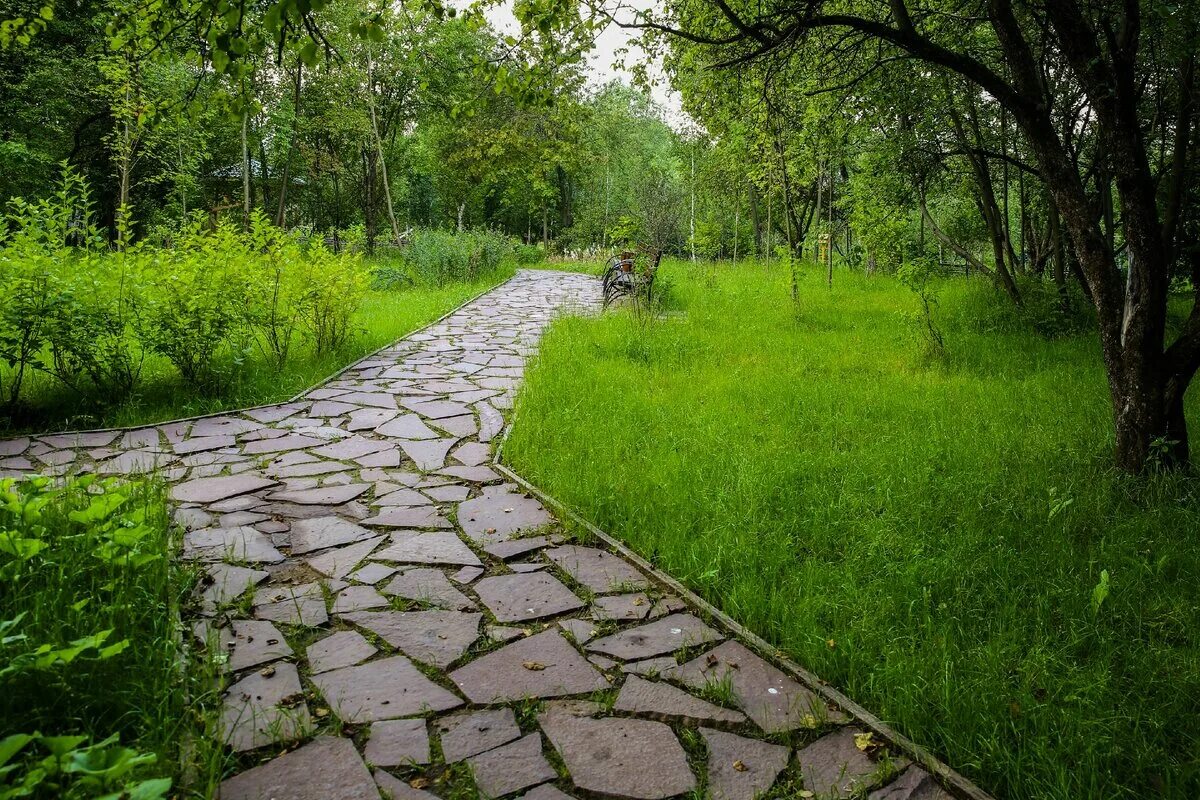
(87, 315)
(90, 701)
(439, 257)
(529, 254)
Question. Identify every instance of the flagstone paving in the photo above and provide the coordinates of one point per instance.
(396, 620)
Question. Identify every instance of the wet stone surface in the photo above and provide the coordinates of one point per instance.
(385, 598)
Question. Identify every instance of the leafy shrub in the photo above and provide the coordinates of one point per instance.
(336, 285)
(88, 649)
(196, 300)
(1044, 310)
(529, 254)
(439, 257)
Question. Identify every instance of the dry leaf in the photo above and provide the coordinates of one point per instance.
(419, 783)
(863, 741)
(805, 793)
(535, 666)
(322, 712)
(832, 644)
(267, 672)
(739, 766)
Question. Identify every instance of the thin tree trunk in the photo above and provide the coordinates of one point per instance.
(383, 174)
(245, 171)
(286, 177)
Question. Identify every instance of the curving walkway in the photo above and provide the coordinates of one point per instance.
(395, 617)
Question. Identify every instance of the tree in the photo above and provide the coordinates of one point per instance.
(1095, 89)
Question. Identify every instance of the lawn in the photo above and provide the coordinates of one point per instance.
(383, 317)
(941, 538)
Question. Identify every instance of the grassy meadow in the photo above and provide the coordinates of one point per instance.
(939, 536)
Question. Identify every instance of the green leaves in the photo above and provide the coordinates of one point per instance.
(1099, 593)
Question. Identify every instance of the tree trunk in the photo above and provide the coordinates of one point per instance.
(286, 177)
(383, 174)
(245, 171)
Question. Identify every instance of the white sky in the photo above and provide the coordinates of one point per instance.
(601, 62)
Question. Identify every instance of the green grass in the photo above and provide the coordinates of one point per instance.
(385, 316)
(91, 648)
(927, 536)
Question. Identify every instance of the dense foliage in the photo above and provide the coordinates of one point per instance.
(93, 691)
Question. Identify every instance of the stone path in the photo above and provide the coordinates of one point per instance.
(395, 619)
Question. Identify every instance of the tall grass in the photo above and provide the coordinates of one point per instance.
(943, 539)
(95, 694)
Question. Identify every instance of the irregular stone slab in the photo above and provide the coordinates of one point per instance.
(437, 638)
(351, 447)
(263, 708)
(292, 605)
(427, 454)
(331, 408)
(12, 447)
(247, 642)
(357, 598)
(317, 533)
(581, 630)
(544, 665)
(619, 757)
(458, 426)
(773, 700)
(546, 791)
(413, 517)
(428, 548)
(337, 563)
(661, 700)
(512, 767)
(465, 735)
(448, 494)
(664, 635)
(230, 582)
(741, 768)
(517, 547)
(373, 399)
(203, 444)
(280, 444)
(325, 768)
(372, 573)
(621, 607)
(321, 495)
(407, 426)
(134, 462)
(834, 767)
(365, 419)
(384, 458)
(515, 598)
(234, 544)
(472, 454)
(499, 513)
(384, 689)
(342, 649)
(526, 566)
(272, 414)
(305, 469)
(472, 474)
(399, 496)
(466, 575)
(491, 422)
(914, 784)
(392, 788)
(427, 585)
(435, 409)
(600, 571)
(210, 490)
(397, 741)
(80, 441)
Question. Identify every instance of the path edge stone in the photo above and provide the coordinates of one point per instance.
(957, 783)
